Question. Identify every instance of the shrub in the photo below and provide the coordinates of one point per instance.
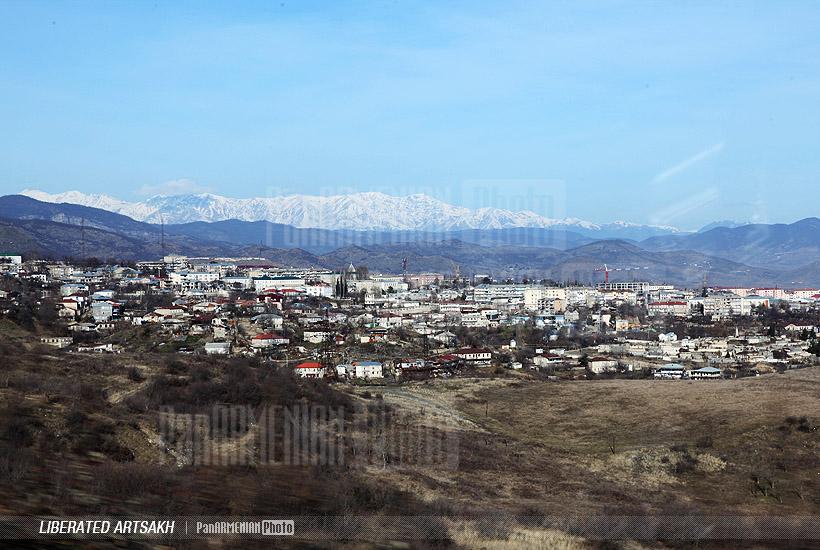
(18, 433)
(137, 403)
(97, 437)
(686, 463)
(135, 375)
(174, 366)
(704, 442)
(17, 425)
(128, 480)
(14, 463)
(91, 396)
(200, 373)
(75, 418)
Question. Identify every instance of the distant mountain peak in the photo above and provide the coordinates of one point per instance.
(364, 211)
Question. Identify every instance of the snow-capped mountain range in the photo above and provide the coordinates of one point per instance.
(358, 211)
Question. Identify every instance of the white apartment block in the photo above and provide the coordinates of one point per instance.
(634, 286)
(175, 262)
(187, 280)
(241, 283)
(740, 291)
(804, 293)
(676, 308)
(728, 304)
(550, 300)
(777, 293)
(378, 284)
(582, 296)
(490, 292)
(10, 259)
(261, 284)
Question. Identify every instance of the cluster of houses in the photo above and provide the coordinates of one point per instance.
(728, 302)
(248, 306)
(444, 365)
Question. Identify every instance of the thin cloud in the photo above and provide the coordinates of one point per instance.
(691, 161)
(685, 208)
(181, 186)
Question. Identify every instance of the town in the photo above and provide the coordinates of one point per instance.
(354, 326)
(410, 275)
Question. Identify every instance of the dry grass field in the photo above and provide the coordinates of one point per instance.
(625, 447)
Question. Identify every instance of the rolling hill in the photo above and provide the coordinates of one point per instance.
(25, 208)
(783, 246)
(747, 255)
(684, 268)
(321, 241)
(41, 238)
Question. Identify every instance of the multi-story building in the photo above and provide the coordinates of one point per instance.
(777, 293)
(727, 304)
(804, 293)
(174, 262)
(187, 280)
(261, 284)
(424, 279)
(676, 308)
(490, 292)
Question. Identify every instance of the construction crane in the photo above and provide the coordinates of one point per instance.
(605, 270)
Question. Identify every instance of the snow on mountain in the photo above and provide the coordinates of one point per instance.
(137, 211)
(730, 224)
(360, 211)
(103, 202)
(627, 225)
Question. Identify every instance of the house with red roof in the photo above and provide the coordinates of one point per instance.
(268, 340)
(309, 369)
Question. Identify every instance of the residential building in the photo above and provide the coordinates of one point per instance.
(57, 341)
(474, 355)
(705, 373)
(309, 369)
(218, 348)
(599, 365)
(672, 371)
(675, 308)
(268, 339)
(361, 369)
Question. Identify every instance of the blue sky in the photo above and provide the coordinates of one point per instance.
(674, 112)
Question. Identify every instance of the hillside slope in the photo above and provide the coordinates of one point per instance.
(785, 246)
